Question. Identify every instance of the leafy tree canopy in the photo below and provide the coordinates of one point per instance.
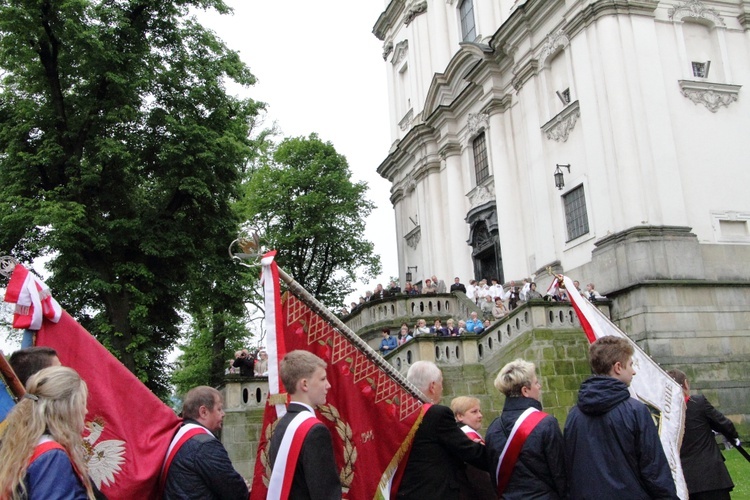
(120, 154)
(306, 206)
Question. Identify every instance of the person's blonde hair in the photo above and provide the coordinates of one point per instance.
(462, 404)
(515, 376)
(56, 405)
(297, 365)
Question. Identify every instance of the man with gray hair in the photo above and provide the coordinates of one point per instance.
(436, 464)
(197, 465)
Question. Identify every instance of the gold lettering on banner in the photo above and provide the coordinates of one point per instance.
(667, 411)
(367, 436)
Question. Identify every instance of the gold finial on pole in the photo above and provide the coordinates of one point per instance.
(7, 264)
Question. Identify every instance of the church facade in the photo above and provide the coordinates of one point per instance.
(599, 138)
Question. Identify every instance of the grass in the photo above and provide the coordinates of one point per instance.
(739, 469)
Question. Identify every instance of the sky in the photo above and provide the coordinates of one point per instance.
(319, 69)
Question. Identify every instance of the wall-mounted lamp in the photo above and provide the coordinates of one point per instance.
(408, 272)
(559, 180)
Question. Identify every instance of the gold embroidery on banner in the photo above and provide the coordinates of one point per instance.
(344, 431)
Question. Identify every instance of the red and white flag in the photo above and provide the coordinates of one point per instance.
(128, 429)
(32, 299)
(652, 385)
(371, 415)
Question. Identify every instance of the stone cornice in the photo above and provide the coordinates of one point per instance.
(388, 19)
(450, 149)
(559, 127)
(601, 8)
(711, 95)
(498, 104)
(523, 74)
(644, 233)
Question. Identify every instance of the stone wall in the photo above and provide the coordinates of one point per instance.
(561, 362)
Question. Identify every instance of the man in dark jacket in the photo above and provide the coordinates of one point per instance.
(457, 286)
(435, 468)
(200, 468)
(706, 475)
(612, 447)
(539, 471)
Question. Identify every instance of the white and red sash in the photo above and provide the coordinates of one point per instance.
(282, 474)
(508, 458)
(182, 436)
(48, 444)
(473, 435)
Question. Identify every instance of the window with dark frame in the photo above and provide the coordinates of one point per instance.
(576, 217)
(481, 164)
(468, 28)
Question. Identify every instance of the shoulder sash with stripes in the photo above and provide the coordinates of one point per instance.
(508, 458)
(183, 435)
(282, 473)
(472, 434)
(47, 444)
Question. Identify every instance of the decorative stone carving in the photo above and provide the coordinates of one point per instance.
(414, 10)
(410, 184)
(406, 120)
(481, 194)
(711, 95)
(696, 9)
(559, 128)
(477, 122)
(387, 49)
(400, 52)
(551, 44)
(412, 237)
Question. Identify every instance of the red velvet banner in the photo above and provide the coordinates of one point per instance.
(128, 429)
(372, 418)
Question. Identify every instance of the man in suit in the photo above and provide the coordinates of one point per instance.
(457, 286)
(315, 474)
(706, 475)
(436, 464)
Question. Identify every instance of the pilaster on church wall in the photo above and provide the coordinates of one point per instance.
(456, 231)
(421, 59)
(661, 181)
(512, 195)
(439, 36)
(529, 154)
(616, 97)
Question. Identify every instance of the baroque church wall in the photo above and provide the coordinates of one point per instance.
(644, 101)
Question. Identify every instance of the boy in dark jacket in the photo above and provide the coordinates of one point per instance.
(612, 447)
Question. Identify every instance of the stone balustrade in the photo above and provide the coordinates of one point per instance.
(453, 351)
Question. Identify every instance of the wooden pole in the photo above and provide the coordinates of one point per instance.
(10, 378)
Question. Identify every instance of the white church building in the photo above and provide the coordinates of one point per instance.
(602, 138)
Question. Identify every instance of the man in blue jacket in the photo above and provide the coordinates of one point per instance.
(612, 447)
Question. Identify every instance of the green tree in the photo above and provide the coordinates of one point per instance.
(306, 206)
(121, 153)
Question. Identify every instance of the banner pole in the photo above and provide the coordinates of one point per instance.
(10, 378)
